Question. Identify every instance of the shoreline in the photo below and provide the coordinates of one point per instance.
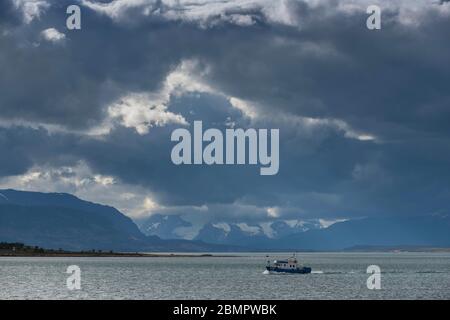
(22, 250)
(177, 255)
(108, 255)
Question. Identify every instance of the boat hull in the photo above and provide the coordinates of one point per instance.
(303, 270)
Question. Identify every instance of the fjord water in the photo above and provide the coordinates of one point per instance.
(335, 276)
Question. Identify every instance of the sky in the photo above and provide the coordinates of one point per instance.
(363, 114)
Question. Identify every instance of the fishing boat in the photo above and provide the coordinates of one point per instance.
(287, 266)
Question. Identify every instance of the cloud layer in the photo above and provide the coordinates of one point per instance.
(363, 115)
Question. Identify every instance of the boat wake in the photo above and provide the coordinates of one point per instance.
(362, 272)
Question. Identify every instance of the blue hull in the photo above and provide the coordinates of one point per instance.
(298, 270)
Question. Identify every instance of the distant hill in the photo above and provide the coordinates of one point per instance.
(58, 220)
(418, 231)
(397, 249)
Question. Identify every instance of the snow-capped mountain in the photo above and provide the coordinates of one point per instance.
(164, 226)
(246, 235)
(251, 235)
(254, 235)
(281, 228)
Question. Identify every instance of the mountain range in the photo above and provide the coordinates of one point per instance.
(60, 220)
(419, 231)
(239, 234)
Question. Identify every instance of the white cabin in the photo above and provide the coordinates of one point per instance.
(290, 263)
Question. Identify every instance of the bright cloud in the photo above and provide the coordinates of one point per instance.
(31, 9)
(143, 111)
(53, 35)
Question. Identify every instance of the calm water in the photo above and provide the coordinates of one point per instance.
(335, 276)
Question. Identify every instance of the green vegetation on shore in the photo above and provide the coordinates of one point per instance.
(22, 250)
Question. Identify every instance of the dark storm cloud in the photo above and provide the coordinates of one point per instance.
(336, 177)
(390, 83)
(70, 83)
(8, 15)
(328, 66)
(22, 147)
